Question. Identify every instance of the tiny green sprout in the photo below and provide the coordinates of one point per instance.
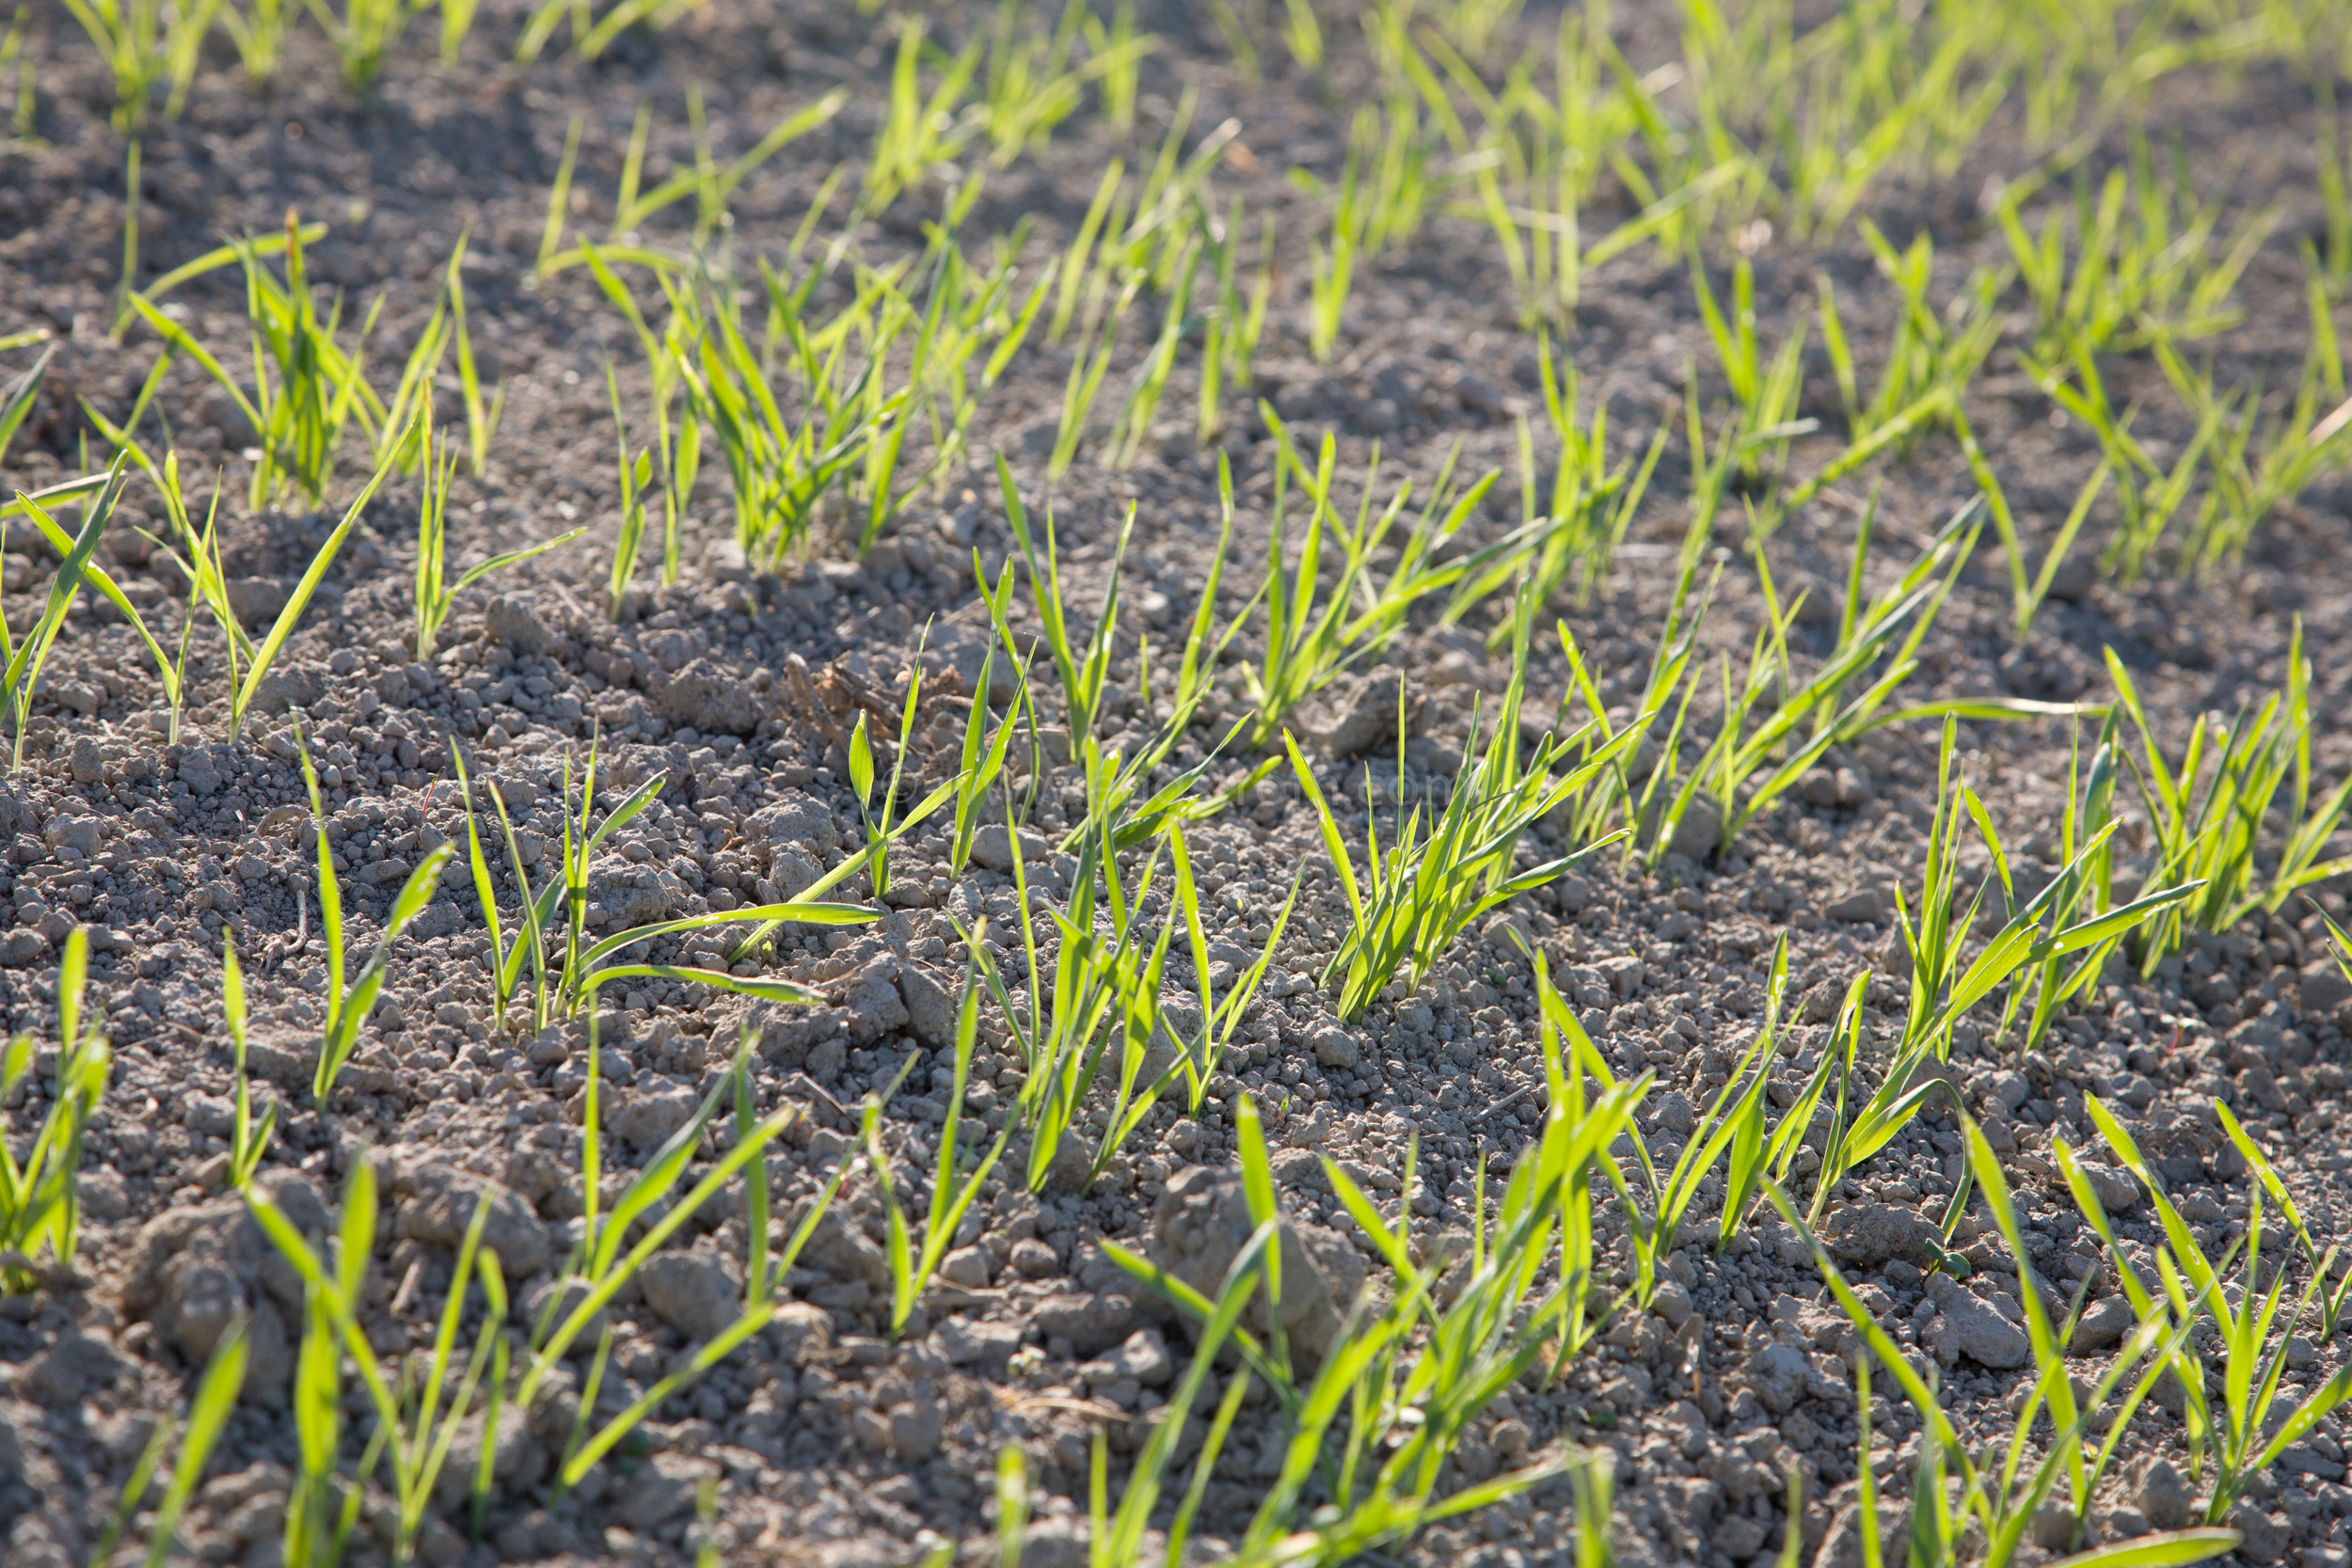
(435, 594)
(348, 1005)
(40, 1203)
(247, 1142)
(217, 1394)
(21, 661)
(953, 1188)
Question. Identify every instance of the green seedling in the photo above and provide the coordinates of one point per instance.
(591, 33)
(676, 450)
(2334, 1285)
(782, 468)
(1995, 1508)
(1436, 878)
(982, 760)
(2246, 1437)
(962, 313)
(308, 385)
(918, 133)
(213, 260)
(415, 1427)
(1744, 772)
(1504, 1317)
(710, 184)
(1235, 322)
(447, 329)
(1933, 351)
(2257, 466)
(636, 480)
(200, 564)
(263, 655)
(1766, 394)
(348, 1005)
(1219, 1018)
(456, 22)
(1085, 672)
(21, 675)
(1104, 998)
(148, 46)
(247, 1142)
(2088, 888)
(22, 98)
(2148, 495)
(1620, 796)
(1131, 430)
(599, 1268)
(2053, 925)
(1579, 525)
(1654, 1218)
(1119, 1538)
(952, 1188)
(566, 965)
(2142, 266)
(17, 402)
(559, 199)
(1032, 80)
(414, 1431)
(1089, 364)
(1119, 786)
(363, 34)
(40, 1204)
(217, 1394)
(505, 955)
(2209, 812)
(1312, 637)
(170, 670)
(435, 595)
(878, 826)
